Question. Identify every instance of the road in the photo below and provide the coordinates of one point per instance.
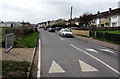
(70, 57)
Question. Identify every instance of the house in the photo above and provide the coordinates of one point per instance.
(109, 18)
(26, 24)
(60, 22)
(51, 23)
(10, 24)
(74, 21)
(42, 24)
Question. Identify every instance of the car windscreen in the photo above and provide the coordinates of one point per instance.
(67, 31)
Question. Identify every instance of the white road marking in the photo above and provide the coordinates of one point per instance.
(55, 68)
(39, 61)
(107, 50)
(92, 50)
(99, 46)
(61, 38)
(86, 67)
(97, 59)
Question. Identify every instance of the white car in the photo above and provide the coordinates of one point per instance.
(66, 32)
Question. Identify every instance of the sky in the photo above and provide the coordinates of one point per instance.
(36, 11)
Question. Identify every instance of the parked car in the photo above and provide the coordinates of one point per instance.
(45, 28)
(51, 29)
(66, 32)
(58, 28)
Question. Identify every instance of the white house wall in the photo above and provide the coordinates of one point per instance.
(97, 21)
(119, 20)
(115, 19)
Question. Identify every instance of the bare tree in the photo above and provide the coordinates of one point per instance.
(86, 19)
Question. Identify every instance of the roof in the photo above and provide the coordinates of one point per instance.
(109, 13)
(12, 22)
(26, 23)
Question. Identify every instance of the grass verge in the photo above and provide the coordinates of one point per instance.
(14, 69)
(83, 35)
(28, 41)
(111, 32)
(101, 39)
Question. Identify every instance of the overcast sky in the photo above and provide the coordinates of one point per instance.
(36, 11)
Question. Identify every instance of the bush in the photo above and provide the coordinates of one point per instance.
(21, 33)
(109, 37)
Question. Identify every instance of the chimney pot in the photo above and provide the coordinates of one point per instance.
(110, 9)
(98, 12)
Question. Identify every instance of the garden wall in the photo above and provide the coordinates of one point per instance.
(81, 32)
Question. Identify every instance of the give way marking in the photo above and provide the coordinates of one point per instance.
(96, 59)
(55, 68)
(86, 67)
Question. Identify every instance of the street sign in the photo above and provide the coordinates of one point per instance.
(9, 41)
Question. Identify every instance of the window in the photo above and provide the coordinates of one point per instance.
(114, 24)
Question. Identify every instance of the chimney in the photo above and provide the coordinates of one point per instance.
(110, 9)
(98, 12)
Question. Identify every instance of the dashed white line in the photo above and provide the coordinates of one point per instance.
(107, 50)
(96, 59)
(92, 50)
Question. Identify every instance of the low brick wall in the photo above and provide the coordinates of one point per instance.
(81, 32)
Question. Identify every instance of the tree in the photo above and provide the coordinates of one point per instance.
(86, 19)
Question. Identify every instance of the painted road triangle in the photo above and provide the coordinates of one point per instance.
(55, 68)
(86, 67)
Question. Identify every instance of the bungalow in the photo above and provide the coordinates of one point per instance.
(10, 24)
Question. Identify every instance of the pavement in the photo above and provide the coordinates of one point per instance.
(18, 54)
(70, 57)
(102, 43)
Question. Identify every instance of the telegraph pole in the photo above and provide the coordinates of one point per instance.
(71, 14)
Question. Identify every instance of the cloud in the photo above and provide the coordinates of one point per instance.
(44, 10)
(78, 0)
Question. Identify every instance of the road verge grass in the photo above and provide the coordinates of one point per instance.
(29, 41)
(101, 39)
(14, 69)
(82, 35)
(111, 31)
